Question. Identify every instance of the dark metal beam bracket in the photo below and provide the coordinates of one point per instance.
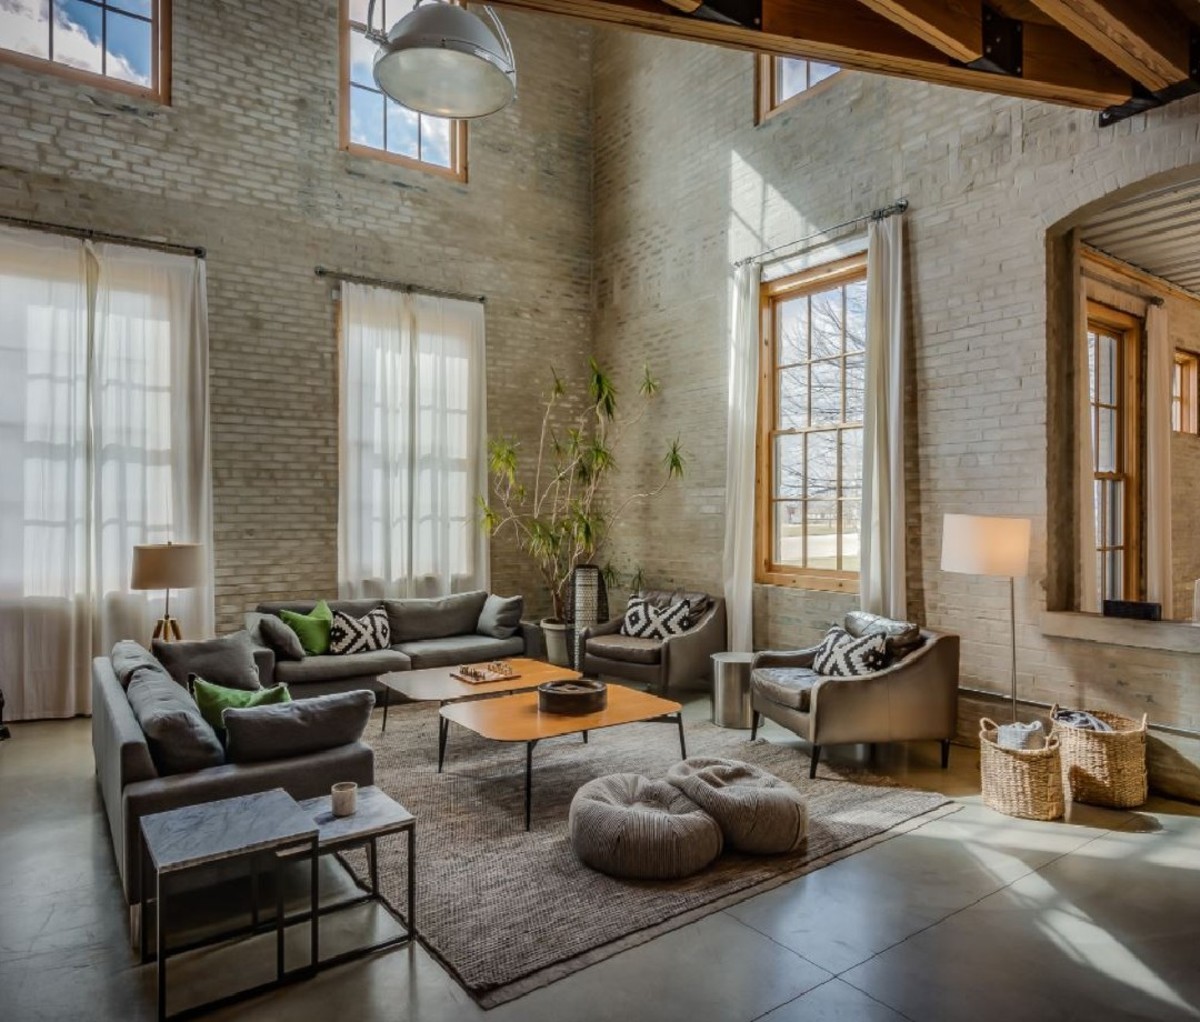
(1003, 45)
(747, 13)
(1142, 99)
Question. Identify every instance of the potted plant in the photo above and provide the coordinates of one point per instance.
(563, 519)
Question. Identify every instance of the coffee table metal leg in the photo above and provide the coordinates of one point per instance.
(142, 941)
(528, 781)
(387, 701)
(160, 936)
(315, 906)
(682, 742)
(412, 882)
(585, 738)
(373, 859)
(279, 919)
(443, 734)
(253, 893)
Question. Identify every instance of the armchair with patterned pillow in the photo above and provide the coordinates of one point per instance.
(875, 680)
(673, 646)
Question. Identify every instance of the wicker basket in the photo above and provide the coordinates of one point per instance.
(1020, 782)
(1104, 768)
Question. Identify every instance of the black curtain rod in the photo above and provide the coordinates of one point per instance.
(899, 206)
(396, 285)
(90, 235)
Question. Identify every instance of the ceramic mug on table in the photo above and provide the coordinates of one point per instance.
(344, 796)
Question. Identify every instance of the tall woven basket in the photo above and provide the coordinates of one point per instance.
(1020, 782)
(1105, 768)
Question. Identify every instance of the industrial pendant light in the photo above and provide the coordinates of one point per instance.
(443, 60)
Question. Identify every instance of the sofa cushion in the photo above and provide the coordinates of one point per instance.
(355, 608)
(452, 650)
(180, 739)
(227, 661)
(312, 628)
(842, 655)
(270, 631)
(128, 656)
(297, 729)
(435, 619)
(787, 686)
(626, 648)
(501, 616)
(350, 635)
(336, 668)
(902, 636)
(213, 700)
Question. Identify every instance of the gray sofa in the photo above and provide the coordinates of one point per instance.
(425, 633)
(132, 786)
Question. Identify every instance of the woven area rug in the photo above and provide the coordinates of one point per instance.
(508, 911)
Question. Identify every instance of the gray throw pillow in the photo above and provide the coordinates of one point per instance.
(128, 656)
(274, 634)
(413, 620)
(181, 740)
(501, 616)
(227, 661)
(299, 728)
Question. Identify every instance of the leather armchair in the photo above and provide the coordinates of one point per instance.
(658, 663)
(915, 698)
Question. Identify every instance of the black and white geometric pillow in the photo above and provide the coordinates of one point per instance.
(365, 634)
(643, 620)
(841, 655)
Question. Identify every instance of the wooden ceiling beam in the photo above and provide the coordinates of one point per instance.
(1057, 68)
(1149, 41)
(954, 27)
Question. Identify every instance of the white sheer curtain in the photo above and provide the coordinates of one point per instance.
(883, 582)
(740, 442)
(103, 444)
(412, 444)
(1160, 365)
(1085, 461)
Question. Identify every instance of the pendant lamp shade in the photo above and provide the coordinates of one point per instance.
(443, 60)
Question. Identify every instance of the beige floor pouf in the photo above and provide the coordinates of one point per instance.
(628, 826)
(758, 812)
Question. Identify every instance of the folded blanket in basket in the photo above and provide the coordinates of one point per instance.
(1081, 719)
(1021, 736)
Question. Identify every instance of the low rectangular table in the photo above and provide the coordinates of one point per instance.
(516, 718)
(438, 685)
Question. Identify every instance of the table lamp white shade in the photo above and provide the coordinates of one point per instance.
(167, 566)
(983, 545)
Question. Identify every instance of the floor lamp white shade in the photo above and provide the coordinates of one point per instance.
(991, 546)
(167, 566)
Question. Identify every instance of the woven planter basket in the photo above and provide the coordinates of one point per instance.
(1104, 768)
(1020, 782)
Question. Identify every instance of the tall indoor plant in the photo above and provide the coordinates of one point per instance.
(563, 518)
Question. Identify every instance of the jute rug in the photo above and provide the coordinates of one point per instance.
(508, 911)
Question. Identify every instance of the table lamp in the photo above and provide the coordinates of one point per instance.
(996, 547)
(167, 566)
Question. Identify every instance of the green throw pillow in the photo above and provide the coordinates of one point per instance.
(214, 700)
(312, 628)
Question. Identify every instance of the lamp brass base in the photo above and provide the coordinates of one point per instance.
(167, 628)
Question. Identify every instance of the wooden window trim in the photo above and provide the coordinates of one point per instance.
(160, 63)
(1129, 402)
(457, 171)
(1189, 400)
(766, 572)
(766, 105)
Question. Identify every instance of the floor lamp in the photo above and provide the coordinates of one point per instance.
(996, 547)
(167, 566)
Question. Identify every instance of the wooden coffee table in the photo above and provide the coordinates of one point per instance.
(438, 685)
(516, 718)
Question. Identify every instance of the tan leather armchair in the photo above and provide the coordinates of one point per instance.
(658, 663)
(915, 698)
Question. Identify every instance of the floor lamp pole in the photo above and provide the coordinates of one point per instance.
(1012, 629)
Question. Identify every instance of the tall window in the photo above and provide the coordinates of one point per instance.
(120, 44)
(1184, 417)
(782, 79)
(412, 440)
(375, 125)
(811, 432)
(1114, 369)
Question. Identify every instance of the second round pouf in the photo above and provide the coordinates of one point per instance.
(629, 826)
(758, 812)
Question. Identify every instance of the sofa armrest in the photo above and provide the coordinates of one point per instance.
(604, 628)
(535, 640)
(264, 660)
(689, 656)
(784, 658)
(301, 777)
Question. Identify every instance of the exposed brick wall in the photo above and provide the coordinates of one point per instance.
(245, 163)
(686, 184)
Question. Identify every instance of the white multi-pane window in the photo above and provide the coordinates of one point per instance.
(782, 79)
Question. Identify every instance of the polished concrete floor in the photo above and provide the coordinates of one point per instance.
(974, 916)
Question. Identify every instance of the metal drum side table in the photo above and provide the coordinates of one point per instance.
(731, 689)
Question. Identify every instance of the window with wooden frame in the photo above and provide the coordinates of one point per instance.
(373, 124)
(1114, 386)
(810, 441)
(780, 80)
(117, 44)
(1184, 417)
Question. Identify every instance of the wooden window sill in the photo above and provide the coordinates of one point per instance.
(1172, 636)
